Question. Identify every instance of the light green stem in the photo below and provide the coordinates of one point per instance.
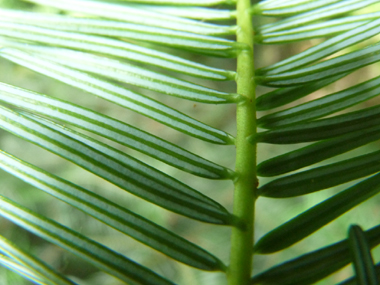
(239, 271)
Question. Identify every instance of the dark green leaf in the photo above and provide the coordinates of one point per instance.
(317, 152)
(331, 67)
(352, 280)
(322, 177)
(318, 216)
(115, 171)
(321, 129)
(95, 253)
(323, 106)
(311, 267)
(361, 257)
(282, 96)
(112, 214)
(151, 174)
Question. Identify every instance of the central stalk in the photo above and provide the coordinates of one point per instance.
(240, 268)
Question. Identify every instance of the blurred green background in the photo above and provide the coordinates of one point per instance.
(269, 212)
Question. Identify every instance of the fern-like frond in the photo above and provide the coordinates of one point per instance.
(138, 55)
(318, 121)
(96, 48)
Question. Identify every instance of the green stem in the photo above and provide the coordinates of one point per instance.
(239, 271)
